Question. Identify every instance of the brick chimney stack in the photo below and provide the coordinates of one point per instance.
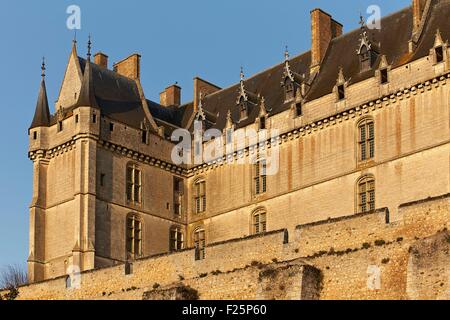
(101, 60)
(323, 29)
(129, 67)
(171, 96)
(418, 10)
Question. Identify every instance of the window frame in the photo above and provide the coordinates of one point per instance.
(200, 196)
(366, 194)
(260, 177)
(134, 232)
(199, 241)
(131, 183)
(258, 225)
(176, 239)
(366, 140)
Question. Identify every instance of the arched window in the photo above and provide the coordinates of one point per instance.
(134, 236)
(176, 239)
(134, 184)
(366, 139)
(366, 194)
(259, 222)
(200, 196)
(260, 176)
(199, 243)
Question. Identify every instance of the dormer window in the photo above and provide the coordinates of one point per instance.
(298, 109)
(439, 51)
(60, 126)
(144, 136)
(289, 89)
(341, 92)
(384, 77)
(365, 59)
(262, 123)
(243, 109)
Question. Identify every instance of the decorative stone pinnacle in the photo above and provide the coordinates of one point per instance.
(43, 68)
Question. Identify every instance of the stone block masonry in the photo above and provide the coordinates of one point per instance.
(332, 259)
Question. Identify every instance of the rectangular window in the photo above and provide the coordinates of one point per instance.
(366, 140)
(298, 109)
(34, 135)
(144, 136)
(178, 186)
(341, 92)
(77, 118)
(262, 123)
(102, 180)
(229, 136)
(60, 126)
(111, 126)
(134, 237)
(384, 76)
(94, 118)
(176, 240)
(134, 185)
(439, 54)
(260, 177)
(200, 197)
(199, 244)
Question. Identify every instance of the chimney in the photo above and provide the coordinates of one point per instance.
(101, 60)
(171, 96)
(418, 10)
(204, 87)
(323, 29)
(129, 67)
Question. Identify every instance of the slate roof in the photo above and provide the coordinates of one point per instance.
(118, 97)
(42, 113)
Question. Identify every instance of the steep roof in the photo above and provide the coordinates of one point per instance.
(42, 113)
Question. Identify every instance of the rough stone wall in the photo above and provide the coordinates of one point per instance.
(339, 257)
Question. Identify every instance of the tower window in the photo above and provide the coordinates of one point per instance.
(77, 118)
(366, 195)
(260, 178)
(94, 118)
(199, 244)
(384, 76)
(134, 237)
(134, 184)
(341, 92)
(34, 135)
(439, 54)
(176, 239)
(259, 224)
(366, 140)
(111, 126)
(200, 196)
(60, 126)
(102, 180)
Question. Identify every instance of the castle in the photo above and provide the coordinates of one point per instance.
(364, 166)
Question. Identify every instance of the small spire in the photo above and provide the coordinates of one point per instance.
(286, 54)
(89, 48)
(43, 68)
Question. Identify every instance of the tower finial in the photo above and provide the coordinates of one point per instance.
(286, 53)
(242, 74)
(74, 41)
(43, 68)
(361, 21)
(89, 48)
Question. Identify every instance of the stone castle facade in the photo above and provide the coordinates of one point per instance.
(363, 122)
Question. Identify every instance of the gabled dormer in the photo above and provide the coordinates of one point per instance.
(341, 86)
(291, 81)
(246, 100)
(367, 50)
(261, 120)
(207, 119)
(438, 53)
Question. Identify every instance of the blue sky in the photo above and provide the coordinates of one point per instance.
(177, 39)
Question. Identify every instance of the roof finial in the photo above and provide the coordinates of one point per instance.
(43, 68)
(89, 48)
(361, 21)
(286, 54)
(74, 41)
(242, 74)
